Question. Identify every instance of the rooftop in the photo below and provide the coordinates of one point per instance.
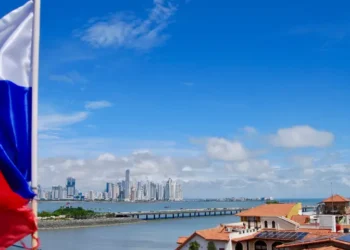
(326, 248)
(336, 198)
(220, 233)
(269, 210)
(327, 238)
(301, 219)
(181, 239)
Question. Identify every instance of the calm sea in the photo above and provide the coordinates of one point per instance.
(158, 234)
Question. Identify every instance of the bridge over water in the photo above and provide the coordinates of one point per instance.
(182, 213)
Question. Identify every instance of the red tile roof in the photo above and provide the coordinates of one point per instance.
(336, 198)
(181, 239)
(313, 232)
(301, 219)
(268, 210)
(325, 248)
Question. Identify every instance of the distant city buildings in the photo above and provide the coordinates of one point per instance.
(127, 185)
(70, 188)
(125, 190)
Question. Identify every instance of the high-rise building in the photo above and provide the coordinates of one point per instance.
(57, 193)
(178, 192)
(115, 192)
(168, 191)
(70, 187)
(132, 194)
(39, 192)
(160, 192)
(91, 195)
(127, 184)
(109, 190)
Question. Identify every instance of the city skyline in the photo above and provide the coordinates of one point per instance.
(169, 190)
(248, 108)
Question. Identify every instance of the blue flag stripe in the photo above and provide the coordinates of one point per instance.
(15, 136)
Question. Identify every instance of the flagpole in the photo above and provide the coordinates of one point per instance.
(35, 88)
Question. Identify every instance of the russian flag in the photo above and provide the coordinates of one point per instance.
(16, 36)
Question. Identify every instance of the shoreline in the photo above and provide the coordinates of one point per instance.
(86, 223)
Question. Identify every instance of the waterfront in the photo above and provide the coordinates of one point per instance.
(159, 234)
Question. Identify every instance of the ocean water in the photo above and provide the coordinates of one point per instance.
(158, 234)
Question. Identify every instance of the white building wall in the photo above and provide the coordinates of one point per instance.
(280, 223)
(327, 221)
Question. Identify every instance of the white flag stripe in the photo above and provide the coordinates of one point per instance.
(16, 30)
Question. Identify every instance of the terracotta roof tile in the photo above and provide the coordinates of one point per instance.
(216, 233)
(181, 239)
(325, 248)
(301, 219)
(268, 210)
(315, 232)
(336, 198)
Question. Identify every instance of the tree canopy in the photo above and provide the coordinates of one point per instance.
(194, 245)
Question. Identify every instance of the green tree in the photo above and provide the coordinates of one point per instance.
(194, 245)
(211, 246)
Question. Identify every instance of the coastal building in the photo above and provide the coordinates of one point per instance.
(91, 195)
(172, 190)
(167, 190)
(57, 192)
(178, 192)
(263, 216)
(132, 194)
(160, 192)
(70, 187)
(336, 204)
(115, 192)
(127, 185)
(275, 226)
(325, 242)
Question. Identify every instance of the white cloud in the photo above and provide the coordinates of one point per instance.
(253, 168)
(304, 161)
(106, 157)
(97, 105)
(71, 77)
(346, 180)
(250, 130)
(56, 121)
(222, 149)
(126, 30)
(301, 136)
(186, 169)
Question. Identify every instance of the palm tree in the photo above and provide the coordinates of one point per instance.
(194, 245)
(211, 246)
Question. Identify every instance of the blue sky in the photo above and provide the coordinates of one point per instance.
(209, 92)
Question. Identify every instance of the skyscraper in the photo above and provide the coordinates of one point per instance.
(110, 189)
(172, 190)
(127, 185)
(70, 187)
(168, 189)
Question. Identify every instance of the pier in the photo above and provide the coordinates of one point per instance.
(188, 213)
(181, 213)
(309, 208)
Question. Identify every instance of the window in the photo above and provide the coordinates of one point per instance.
(266, 225)
(273, 224)
(239, 246)
(260, 245)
